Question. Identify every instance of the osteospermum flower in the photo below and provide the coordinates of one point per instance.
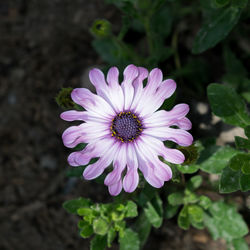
(121, 125)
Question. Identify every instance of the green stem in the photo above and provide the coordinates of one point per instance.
(175, 49)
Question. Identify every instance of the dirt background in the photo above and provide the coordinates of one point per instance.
(46, 45)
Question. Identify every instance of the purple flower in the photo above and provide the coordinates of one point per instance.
(122, 125)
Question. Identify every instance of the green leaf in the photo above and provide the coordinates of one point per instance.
(131, 209)
(188, 169)
(233, 65)
(239, 3)
(225, 222)
(154, 212)
(216, 29)
(84, 211)
(171, 211)
(219, 160)
(239, 244)
(228, 105)
(183, 220)
(205, 202)
(194, 182)
(244, 182)
(100, 226)
(143, 228)
(247, 131)
(73, 205)
(229, 181)
(242, 143)
(190, 197)
(175, 199)
(130, 240)
(98, 243)
(86, 231)
(246, 95)
(220, 3)
(241, 161)
(111, 236)
(195, 213)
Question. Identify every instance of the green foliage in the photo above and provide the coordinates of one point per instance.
(63, 99)
(223, 221)
(213, 159)
(216, 28)
(232, 181)
(228, 105)
(241, 162)
(73, 205)
(154, 211)
(130, 240)
(194, 182)
(101, 28)
(103, 220)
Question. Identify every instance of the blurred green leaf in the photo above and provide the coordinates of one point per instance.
(176, 198)
(239, 244)
(233, 65)
(171, 211)
(246, 95)
(85, 211)
(239, 3)
(194, 182)
(244, 182)
(154, 211)
(218, 160)
(228, 105)
(247, 131)
(131, 209)
(205, 202)
(130, 240)
(190, 197)
(111, 236)
(220, 3)
(100, 226)
(162, 21)
(86, 231)
(241, 161)
(98, 243)
(195, 214)
(183, 220)
(73, 205)
(143, 228)
(242, 143)
(216, 29)
(188, 169)
(225, 222)
(229, 180)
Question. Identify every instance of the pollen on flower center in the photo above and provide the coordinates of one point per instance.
(126, 126)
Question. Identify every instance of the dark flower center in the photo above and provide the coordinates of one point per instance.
(126, 126)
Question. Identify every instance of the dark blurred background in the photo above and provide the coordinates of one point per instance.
(44, 46)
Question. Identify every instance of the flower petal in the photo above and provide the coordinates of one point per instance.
(131, 179)
(94, 170)
(178, 136)
(119, 164)
(163, 92)
(169, 154)
(146, 165)
(116, 188)
(138, 87)
(130, 74)
(92, 102)
(92, 150)
(166, 118)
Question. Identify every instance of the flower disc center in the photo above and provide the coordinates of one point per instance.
(126, 126)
